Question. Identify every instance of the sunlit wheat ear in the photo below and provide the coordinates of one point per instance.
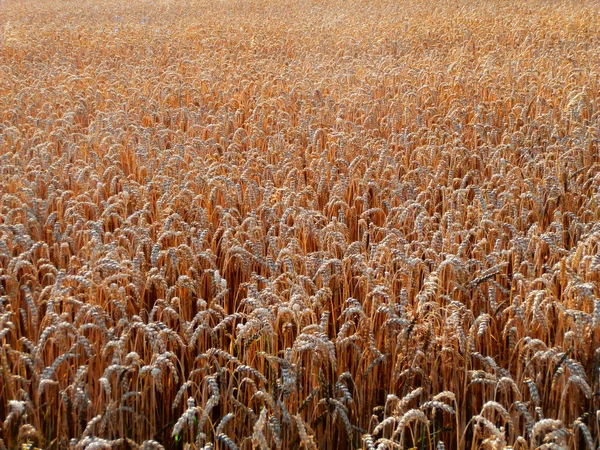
(579, 425)
(188, 418)
(151, 445)
(437, 405)
(276, 430)
(488, 426)
(544, 427)
(258, 437)
(212, 402)
(497, 407)
(226, 440)
(306, 439)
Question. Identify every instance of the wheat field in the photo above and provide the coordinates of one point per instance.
(269, 224)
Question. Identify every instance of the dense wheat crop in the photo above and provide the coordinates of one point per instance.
(299, 224)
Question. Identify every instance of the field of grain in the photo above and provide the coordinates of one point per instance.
(269, 224)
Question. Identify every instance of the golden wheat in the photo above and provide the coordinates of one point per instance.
(266, 224)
